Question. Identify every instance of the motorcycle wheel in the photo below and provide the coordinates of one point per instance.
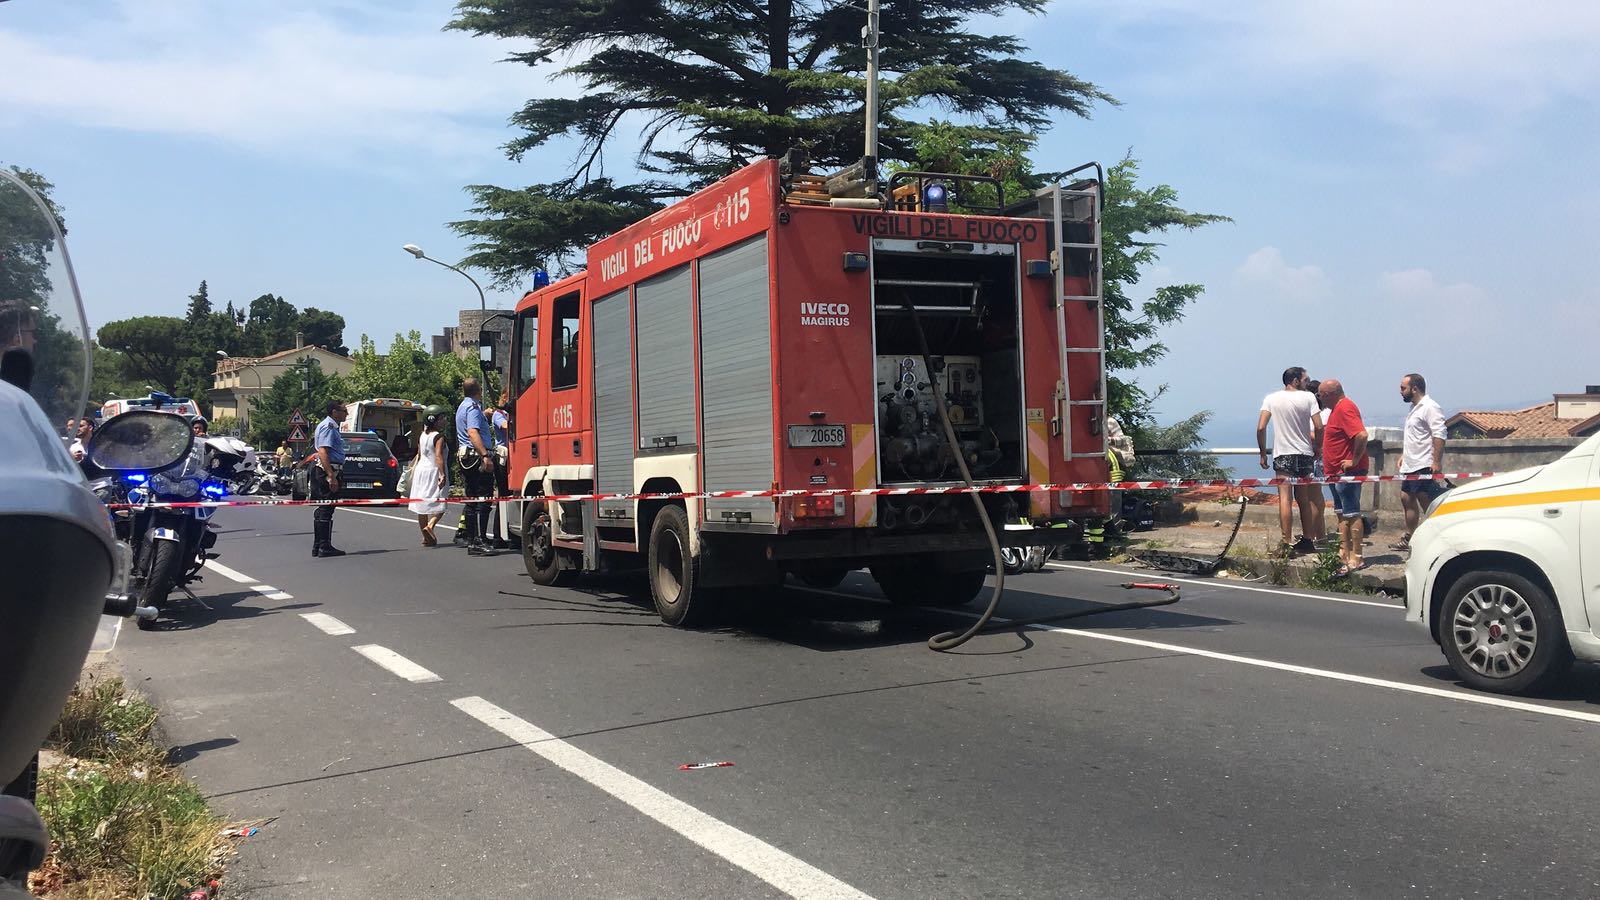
(1014, 558)
(163, 572)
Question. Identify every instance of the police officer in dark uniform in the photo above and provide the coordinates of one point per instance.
(325, 469)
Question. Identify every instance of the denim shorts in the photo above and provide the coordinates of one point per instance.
(1347, 498)
(1293, 465)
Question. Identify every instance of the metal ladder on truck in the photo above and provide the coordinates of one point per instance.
(1075, 214)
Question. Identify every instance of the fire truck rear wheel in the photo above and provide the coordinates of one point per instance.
(674, 572)
(912, 585)
(539, 556)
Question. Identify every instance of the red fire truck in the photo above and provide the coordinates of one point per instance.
(762, 335)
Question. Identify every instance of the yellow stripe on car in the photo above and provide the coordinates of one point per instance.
(1538, 498)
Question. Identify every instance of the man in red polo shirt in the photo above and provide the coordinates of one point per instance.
(1344, 452)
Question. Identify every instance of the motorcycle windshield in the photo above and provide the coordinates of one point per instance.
(44, 339)
(144, 440)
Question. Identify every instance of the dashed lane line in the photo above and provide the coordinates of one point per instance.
(327, 623)
(395, 663)
(226, 572)
(271, 592)
(783, 871)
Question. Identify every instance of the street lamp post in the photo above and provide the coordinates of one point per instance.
(416, 251)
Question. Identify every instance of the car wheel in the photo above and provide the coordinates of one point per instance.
(1502, 633)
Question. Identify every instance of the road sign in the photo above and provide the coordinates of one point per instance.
(297, 418)
(297, 433)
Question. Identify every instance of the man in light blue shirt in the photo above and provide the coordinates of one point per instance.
(500, 424)
(477, 463)
(324, 478)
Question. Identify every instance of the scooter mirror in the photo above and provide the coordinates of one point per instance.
(140, 440)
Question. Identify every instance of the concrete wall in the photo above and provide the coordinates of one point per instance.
(1486, 455)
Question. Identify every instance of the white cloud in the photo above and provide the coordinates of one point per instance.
(1461, 77)
(297, 78)
(1434, 307)
(1266, 272)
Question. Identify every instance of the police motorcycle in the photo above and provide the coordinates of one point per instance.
(61, 566)
(169, 545)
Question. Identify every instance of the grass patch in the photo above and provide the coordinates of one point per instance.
(105, 723)
(1324, 574)
(122, 822)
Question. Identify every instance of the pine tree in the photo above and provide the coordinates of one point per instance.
(708, 85)
(199, 305)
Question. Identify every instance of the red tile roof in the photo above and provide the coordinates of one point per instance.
(1532, 422)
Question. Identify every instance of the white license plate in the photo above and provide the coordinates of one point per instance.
(816, 435)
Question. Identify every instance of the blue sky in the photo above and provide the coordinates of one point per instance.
(1413, 185)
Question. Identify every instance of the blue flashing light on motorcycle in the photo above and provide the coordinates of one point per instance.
(135, 478)
(214, 489)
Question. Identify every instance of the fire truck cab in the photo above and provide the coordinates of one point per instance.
(761, 336)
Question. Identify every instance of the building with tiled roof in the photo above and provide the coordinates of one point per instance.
(237, 380)
(1567, 415)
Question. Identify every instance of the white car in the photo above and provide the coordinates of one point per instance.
(1505, 573)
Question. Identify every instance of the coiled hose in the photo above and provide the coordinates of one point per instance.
(950, 640)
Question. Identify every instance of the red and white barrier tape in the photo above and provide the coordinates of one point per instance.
(1165, 484)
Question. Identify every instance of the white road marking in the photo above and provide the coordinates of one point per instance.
(396, 663)
(777, 868)
(226, 572)
(105, 634)
(1462, 696)
(271, 592)
(327, 623)
(413, 521)
(1224, 584)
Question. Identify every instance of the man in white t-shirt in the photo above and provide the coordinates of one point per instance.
(1296, 432)
(1422, 453)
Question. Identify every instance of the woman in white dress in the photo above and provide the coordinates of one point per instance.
(428, 480)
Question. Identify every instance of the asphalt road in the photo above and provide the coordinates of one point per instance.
(473, 732)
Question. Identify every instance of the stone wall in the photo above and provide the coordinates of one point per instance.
(1486, 455)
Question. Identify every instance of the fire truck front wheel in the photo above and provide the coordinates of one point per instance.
(675, 572)
(909, 584)
(541, 558)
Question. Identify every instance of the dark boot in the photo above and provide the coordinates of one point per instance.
(328, 549)
(324, 541)
(316, 538)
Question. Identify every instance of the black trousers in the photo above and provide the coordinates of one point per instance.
(478, 483)
(497, 510)
(321, 515)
